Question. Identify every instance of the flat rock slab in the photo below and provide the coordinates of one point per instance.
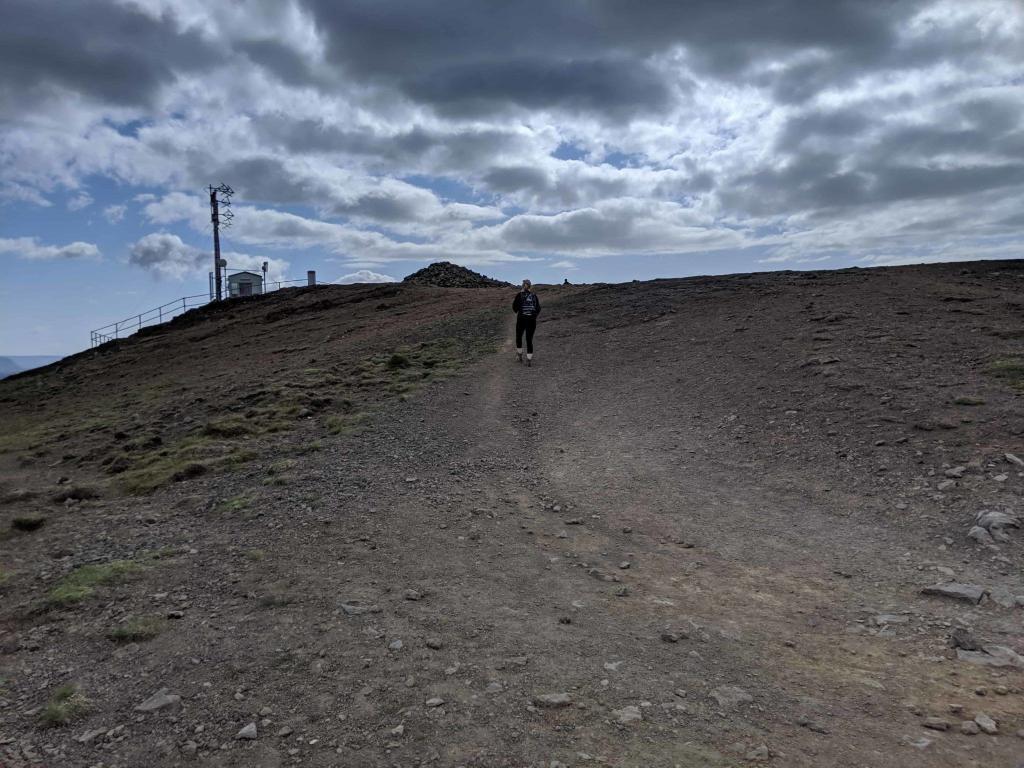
(356, 609)
(968, 593)
(159, 700)
(627, 715)
(553, 700)
(730, 696)
(992, 656)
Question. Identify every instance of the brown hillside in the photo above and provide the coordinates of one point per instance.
(721, 521)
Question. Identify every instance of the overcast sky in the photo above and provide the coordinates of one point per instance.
(594, 140)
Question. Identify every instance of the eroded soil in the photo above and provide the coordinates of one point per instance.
(705, 514)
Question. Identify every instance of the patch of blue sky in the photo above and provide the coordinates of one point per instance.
(447, 189)
(569, 151)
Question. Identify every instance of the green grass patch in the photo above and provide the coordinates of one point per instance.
(235, 504)
(282, 466)
(65, 706)
(5, 575)
(76, 492)
(229, 428)
(82, 582)
(1009, 369)
(137, 629)
(28, 522)
(346, 424)
(968, 400)
(190, 458)
(255, 555)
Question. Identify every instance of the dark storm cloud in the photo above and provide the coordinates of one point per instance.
(109, 53)
(270, 180)
(287, 64)
(516, 178)
(465, 57)
(828, 125)
(614, 87)
(458, 148)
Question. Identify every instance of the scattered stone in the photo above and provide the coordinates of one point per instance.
(759, 754)
(980, 535)
(622, 591)
(996, 523)
(412, 594)
(627, 715)
(730, 696)
(356, 609)
(435, 701)
(398, 730)
(395, 645)
(962, 638)
(969, 593)
(1014, 459)
(1000, 478)
(189, 747)
(986, 723)
(444, 274)
(553, 700)
(969, 728)
(285, 732)
(936, 724)
(158, 700)
(624, 565)
(434, 643)
(992, 656)
(248, 733)
(1003, 597)
(89, 736)
(955, 472)
(883, 619)
(671, 637)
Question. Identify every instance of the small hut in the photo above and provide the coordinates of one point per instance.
(245, 284)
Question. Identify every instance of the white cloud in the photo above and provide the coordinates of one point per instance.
(564, 265)
(30, 248)
(894, 130)
(115, 213)
(167, 255)
(365, 276)
(80, 201)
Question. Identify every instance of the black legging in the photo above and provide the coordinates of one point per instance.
(528, 324)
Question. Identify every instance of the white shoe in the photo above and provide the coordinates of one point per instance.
(519, 356)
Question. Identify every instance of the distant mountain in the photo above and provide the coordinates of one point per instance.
(18, 363)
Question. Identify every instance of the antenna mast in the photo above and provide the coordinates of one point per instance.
(220, 214)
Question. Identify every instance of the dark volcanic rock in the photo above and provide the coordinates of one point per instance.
(444, 274)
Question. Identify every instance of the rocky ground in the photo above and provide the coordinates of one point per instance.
(444, 274)
(756, 519)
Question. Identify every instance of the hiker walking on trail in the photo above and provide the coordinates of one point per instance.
(527, 308)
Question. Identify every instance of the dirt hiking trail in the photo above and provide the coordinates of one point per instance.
(694, 533)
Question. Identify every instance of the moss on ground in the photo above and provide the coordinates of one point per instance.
(28, 523)
(65, 706)
(82, 582)
(1010, 369)
(137, 629)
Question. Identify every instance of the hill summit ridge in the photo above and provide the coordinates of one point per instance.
(444, 274)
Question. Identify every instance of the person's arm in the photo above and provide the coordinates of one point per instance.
(536, 298)
(516, 302)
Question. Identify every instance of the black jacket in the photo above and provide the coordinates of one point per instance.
(525, 310)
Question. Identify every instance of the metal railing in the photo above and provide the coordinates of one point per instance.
(166, 312)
